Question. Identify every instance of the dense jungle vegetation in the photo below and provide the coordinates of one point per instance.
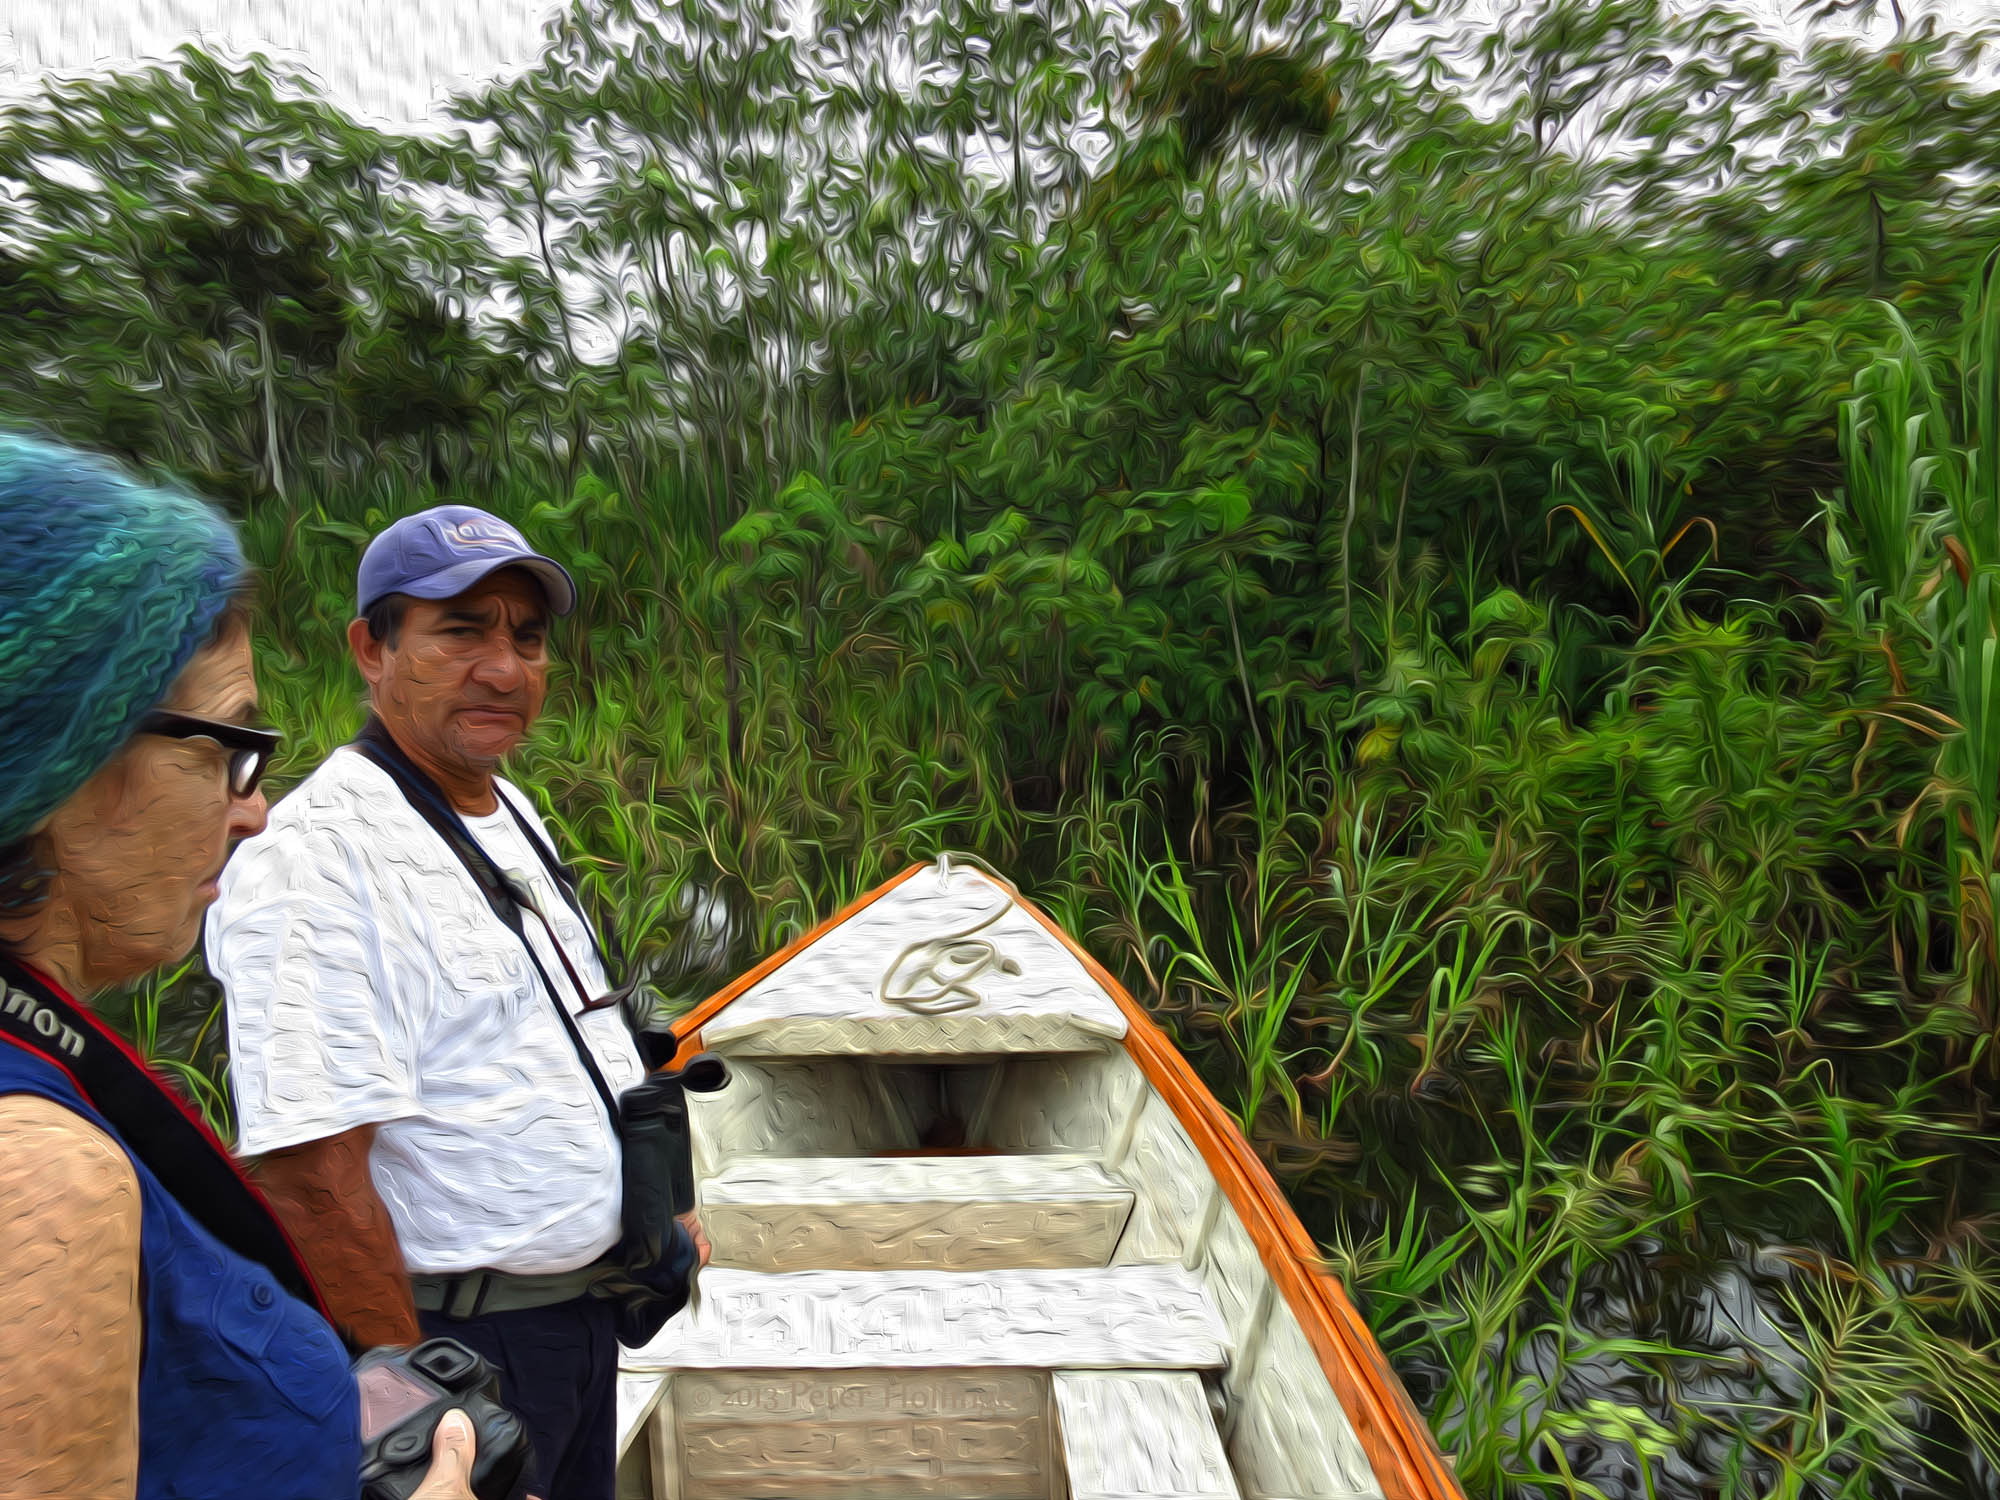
(1463, 561)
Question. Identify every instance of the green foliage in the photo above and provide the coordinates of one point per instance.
(1463, 567)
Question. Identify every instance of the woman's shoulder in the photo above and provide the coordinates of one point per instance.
(51, 1154)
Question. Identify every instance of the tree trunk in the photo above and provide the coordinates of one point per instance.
(1347, 527)
(271, 460)
(731, 688)
(579, 443)
(1396, 547)
(579, 425)
(1243, 670)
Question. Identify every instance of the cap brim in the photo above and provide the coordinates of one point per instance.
(456, 579)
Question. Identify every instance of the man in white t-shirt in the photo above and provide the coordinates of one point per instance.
(429, 1129)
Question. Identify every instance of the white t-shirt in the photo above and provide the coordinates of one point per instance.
(367, 981)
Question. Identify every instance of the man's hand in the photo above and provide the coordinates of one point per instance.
(692, 1225)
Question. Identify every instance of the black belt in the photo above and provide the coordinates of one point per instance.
(478, 1292)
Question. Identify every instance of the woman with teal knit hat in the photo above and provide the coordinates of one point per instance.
(157, 1335)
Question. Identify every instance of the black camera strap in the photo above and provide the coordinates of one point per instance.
(158, 1129)
(610, 952)
(502, 894)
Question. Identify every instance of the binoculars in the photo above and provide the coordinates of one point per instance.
(659, 1154)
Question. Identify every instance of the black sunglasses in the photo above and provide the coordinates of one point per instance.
(250, 750)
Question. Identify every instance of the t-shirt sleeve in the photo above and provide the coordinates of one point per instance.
(320, 1036)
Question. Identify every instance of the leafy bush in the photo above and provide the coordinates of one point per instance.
(1462, 565)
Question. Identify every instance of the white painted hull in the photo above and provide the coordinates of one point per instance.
(1007, 1250)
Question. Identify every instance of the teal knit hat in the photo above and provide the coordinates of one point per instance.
(107, 587)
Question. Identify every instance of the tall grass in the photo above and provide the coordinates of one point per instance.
(1626, 1063)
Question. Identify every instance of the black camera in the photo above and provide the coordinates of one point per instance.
(405, 1393)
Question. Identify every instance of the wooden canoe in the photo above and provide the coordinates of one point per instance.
(980, 1231)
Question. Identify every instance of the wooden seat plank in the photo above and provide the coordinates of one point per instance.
(948, 1213)
(1140, 1435)
(1115, 1318)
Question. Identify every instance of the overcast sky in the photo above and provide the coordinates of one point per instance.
(391, 62)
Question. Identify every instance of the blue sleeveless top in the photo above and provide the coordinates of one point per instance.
(243, 1389)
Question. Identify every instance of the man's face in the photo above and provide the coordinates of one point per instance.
(466, 678)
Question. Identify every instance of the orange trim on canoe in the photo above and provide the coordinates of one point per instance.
(1405, 1457)
(685, 1052)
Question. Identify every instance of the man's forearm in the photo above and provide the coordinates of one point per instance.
(324, 1195)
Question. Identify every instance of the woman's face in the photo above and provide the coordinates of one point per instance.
(140, 846)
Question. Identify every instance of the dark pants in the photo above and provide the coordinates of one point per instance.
(559, 1374)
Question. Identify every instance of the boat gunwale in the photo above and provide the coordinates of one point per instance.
(1404, 1455)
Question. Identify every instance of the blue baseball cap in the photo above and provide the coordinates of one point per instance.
(443, 551)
